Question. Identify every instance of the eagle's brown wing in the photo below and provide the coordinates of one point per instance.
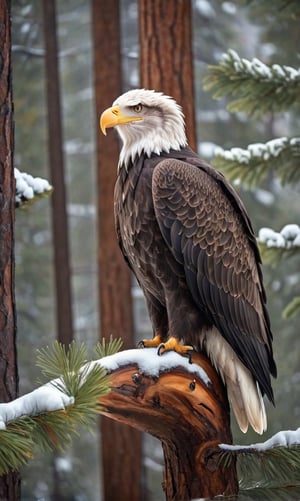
(208, 232)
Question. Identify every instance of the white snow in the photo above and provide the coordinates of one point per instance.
(49, 398)
(259, 70)
(205, 8)
(229, 8)
(46, 398)
(286, 438)
(264, 197)
(206, 149)
(150, 363)
(264, 151)
(63, 464)
(287, 238)
(27, 186)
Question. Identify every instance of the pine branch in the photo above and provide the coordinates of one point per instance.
(276, 245)
(252, 165)
(29, 189)
(292, 309)
(49, 416)
(274, 463)
(260, 88)
(104, 349)
(285, 9)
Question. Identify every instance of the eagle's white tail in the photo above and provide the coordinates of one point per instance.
(243, 392)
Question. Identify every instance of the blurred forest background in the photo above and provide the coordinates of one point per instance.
(217, 26)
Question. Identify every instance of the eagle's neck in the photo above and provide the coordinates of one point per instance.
(148, 141)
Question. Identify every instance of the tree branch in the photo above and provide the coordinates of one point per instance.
(183, 405)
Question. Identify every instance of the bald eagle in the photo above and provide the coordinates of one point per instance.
(187, 237)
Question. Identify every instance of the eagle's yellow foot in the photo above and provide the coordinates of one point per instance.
(174, 345)
(151, 343)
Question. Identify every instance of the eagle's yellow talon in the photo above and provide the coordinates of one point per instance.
(150, 343)
(174, 345)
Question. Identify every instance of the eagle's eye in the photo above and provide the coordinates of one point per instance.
(138, 108)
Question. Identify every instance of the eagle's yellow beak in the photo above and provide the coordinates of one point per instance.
(113, 116)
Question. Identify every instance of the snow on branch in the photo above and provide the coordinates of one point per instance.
(29, 188)
(273, 463)
(150, 364)
(251, 165)
(49, 416)
(287, 438)
(260, 88)
(288, 238)
(46, 398)
(260, 71)
(275, 245)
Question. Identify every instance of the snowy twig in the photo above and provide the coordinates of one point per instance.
(261, 88)
(288, 438)
(261, 151)
(29, 188)
(251, 165)
(271, 464)
(288, 238)
(47, 398)
(260, 71)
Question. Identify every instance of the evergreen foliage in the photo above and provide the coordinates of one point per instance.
(258, 89)
(251, 166)
(285, 9)
(265, 469)
(85, 381)
(30, 189)
(261, 88)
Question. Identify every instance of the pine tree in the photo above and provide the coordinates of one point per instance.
(258, 89)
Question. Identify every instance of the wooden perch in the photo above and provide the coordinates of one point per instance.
(188, 413)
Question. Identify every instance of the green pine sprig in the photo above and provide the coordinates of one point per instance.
(278, 466)
(252, 165)
(103, 349)
(292, 309)
(255, 87)
(71, 374)
(284, 9)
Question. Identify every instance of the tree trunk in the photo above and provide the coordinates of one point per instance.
(166, 60)
(166, 64)
(121, 469)
(10, 483)
(188, 414)
(64, 318)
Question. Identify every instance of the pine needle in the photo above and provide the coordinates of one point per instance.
(104, 349)
(85, 381)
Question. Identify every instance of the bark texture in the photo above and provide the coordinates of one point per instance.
(121, 478)
(166, 59)
(64, 318)
(10, 483)
(190, 418)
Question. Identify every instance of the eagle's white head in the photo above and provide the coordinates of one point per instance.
(147, 122)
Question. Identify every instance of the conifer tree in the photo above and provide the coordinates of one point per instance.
(258, 89)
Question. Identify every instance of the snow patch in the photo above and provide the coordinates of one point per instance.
(264, 151)
(259, 70)
(287, 238)
(28, 186)
(150, 363)
(44, 399)
(286, 438)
